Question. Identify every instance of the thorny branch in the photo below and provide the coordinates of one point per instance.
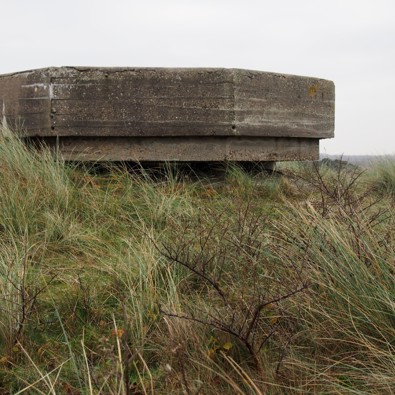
(246, 307)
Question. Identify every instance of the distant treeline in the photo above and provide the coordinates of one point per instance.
(357, 159)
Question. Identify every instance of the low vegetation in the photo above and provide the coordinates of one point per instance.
(115, 281)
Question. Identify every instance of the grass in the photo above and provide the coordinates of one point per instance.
(115, 282)
(383, 176)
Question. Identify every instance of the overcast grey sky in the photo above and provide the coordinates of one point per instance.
(351, 42)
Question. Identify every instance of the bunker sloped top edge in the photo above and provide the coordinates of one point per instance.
(160, 69)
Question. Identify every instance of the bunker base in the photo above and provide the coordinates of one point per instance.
(181, 149)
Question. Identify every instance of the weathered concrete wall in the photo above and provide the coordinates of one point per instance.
(185, 149)
(25, 100)
(138, 112)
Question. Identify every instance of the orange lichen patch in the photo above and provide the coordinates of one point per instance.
(312, 91)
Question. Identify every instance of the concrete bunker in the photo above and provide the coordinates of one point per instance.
(170, 114)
